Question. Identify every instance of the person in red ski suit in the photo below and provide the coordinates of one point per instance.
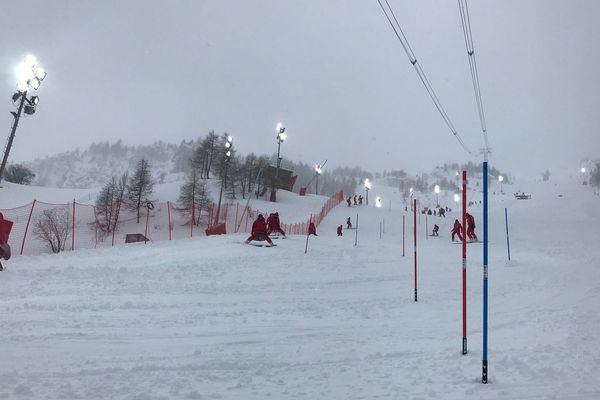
(273, 224)
(435, 230)
(339, 230)
(471, 227)
(312, 229)
(5, 228)
(457, 230)
(259, 231)
(348, 223)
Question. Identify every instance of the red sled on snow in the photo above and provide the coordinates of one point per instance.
(216, 230)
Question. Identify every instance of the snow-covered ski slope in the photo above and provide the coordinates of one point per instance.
(212, 318)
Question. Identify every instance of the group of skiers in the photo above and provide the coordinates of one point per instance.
(457, 229)
(358, 200)
(261, 229)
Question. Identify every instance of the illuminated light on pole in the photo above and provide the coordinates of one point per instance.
(582, 170)
(29, 76)
(281, 136)
(367, 187)
(378, 202)
(318, 171)
(436, 189)
(501, 179)
(411, 192)
(228, 147)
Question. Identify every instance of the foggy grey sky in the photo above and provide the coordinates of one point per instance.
(331, 70)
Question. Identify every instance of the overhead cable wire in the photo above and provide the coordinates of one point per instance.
(466, 25)
(419, 70)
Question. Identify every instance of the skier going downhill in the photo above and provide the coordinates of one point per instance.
(457, 230)
(471, 227)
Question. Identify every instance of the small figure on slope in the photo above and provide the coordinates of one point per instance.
(274, 225)
(312, 229)
(457, 230)
(348, 223)
(360, 199)
(349, 201)
(259, 231)
(339, 230)
(471, 227)
(5, 228)
(355, 201)
(435, 230)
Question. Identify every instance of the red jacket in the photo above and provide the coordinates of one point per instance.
(259, 226)
(457, 227)
(470, 221)
(312, 230)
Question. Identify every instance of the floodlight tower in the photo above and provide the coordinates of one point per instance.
(281, 136)
(367, 187)
(228, 148)
(318, 171)
(29, 76)
(436, 189)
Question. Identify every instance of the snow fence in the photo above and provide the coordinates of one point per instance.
(41, 228)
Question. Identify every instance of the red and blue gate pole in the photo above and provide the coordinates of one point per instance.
(415, 232)
(464, 262)
(484, 371)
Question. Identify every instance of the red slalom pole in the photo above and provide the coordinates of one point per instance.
(415, 231)
(464, 261)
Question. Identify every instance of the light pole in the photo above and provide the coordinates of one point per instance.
(367, 187)
(29, 76)
(318, 172)
(436, 189)
(501, 179)
(582, 170)
(281, 136)
(411, 192)
(228, 148)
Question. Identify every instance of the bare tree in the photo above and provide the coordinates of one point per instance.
(53, 227)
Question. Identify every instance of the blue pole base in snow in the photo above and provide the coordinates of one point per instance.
(464, 346)
(484, 374)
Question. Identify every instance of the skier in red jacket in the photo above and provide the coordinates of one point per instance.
(273, 224)
(471, 227)
(259, 231)
(312, 229)
(348, 223)
(5, 228)
(457, 230)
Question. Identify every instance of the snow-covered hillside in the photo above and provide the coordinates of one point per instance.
(213, 318)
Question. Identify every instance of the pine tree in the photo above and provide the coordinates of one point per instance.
(193, 196)
(140, 187)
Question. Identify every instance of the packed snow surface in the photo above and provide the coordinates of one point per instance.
(213, 318)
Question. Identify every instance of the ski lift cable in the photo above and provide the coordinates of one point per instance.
(420, 72)
(468, 36)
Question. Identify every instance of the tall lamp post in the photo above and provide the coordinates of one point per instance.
(29, 76)
(318, 171)
(501, 179)
(582, 170)
(411, 192)
(228, 149)
(367, 187)
(281, 136)
(436, 189)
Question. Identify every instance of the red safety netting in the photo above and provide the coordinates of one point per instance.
(40, 227)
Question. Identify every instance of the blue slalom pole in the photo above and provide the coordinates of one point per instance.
(484, 375)
(507, 241)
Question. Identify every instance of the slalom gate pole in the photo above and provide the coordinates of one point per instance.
(379, 229)
(384, 225)
(307, 234)
(403, 230)
(27, 226)
(507, 241)
(484, 363)
(146, 230)
(356, 232)
(426, 227)
(169, 217)
(464, 262)
(73, 232)
(415, 231)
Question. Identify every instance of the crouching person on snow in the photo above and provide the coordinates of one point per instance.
(312, 229)
(259, 231)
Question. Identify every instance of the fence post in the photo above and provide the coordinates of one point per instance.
(73, 232)
(27, 226)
